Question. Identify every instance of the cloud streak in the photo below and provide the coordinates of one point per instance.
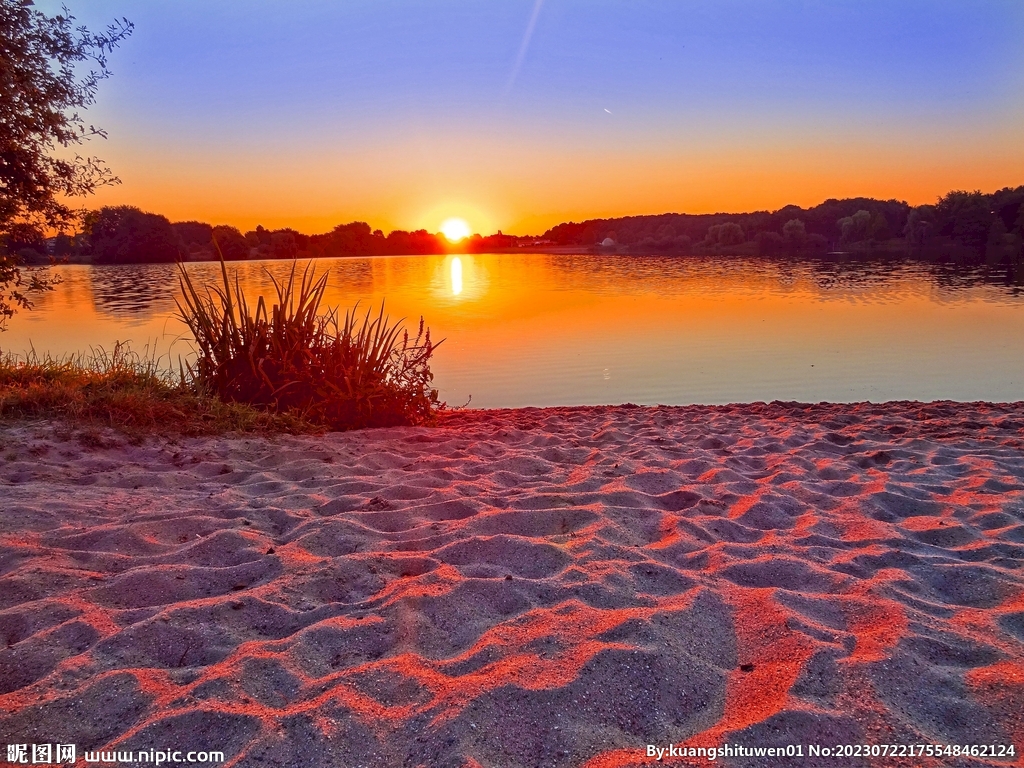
(524, 46)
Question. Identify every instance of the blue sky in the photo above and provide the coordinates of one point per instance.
(386, 110)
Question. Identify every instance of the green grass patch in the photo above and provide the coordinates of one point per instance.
(125, 391)
(287, 368)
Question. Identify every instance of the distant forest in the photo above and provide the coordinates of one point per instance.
(964, 226)
(961, 225)
(127, 235)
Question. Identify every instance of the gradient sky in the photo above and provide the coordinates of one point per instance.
(519, 114)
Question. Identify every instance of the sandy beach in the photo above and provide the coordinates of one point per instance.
(537, 587)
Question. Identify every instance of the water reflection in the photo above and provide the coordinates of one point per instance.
(847, 278)
(134, 291)
(540, 329)
(350, 275)
(456, 275)
(143, 291)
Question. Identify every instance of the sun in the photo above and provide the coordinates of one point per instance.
(455, 229)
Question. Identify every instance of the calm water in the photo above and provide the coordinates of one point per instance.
(537, 329)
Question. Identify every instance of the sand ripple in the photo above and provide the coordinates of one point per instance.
(522, 588)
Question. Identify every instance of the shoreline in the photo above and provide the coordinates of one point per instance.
(536, 586)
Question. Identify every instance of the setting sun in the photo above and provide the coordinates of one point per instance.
(455, 229)
(587, 290)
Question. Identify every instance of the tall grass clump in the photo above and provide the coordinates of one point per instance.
(342, 373)
(122, 390)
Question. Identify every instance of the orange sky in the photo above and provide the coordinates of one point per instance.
(529, 190)
(403, 115)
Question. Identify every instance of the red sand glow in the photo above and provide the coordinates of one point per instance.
(529, 587)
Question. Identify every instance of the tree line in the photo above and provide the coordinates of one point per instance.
(128, 235)
(960, 224)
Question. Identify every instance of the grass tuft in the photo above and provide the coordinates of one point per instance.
(125, 391)
(291, 358)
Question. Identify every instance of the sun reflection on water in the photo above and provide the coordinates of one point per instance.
(551, 329)
(456, 276)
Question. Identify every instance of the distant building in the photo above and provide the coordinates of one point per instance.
(608, 243)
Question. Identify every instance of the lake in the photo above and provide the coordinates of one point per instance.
(538, 329)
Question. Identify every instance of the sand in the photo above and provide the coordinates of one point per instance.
(538, 587)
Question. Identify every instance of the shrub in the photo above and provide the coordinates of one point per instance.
(292, 358)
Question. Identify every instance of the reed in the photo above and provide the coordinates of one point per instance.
(291, 357)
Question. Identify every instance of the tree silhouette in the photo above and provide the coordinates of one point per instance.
(728, 233)
(194, 234)
(39, 98)
(855, 228)
(879, 228)
(769, 242)
(283, 245)
(918, 226)
(231, 242)
(125, 235)
(794, 233)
